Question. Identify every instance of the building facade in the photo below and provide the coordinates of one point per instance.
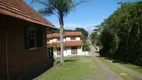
(72, 43)
(23, 42)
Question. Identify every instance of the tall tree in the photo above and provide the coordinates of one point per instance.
(60, 8)
(84, 32)
(95, 36)
(121, 37)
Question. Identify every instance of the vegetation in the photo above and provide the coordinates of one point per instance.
(86, 47)
(134, 67)
(121, 35)
(95, 36)
(74, 69)
(84, 32)
(118, 70)
(84, 38)
(60, 8)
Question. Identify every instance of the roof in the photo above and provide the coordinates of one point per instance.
(66, 34)
(54, 35)
(21, 10)
(54, 44)
(66, 44)
(73, 43)
(73, 33)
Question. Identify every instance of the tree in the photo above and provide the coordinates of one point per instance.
(121, 37)
(60, 8)
(95, 36)
(84, 34)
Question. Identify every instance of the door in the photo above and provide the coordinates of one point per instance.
(74, 50)
(58, 51)
(2, 55)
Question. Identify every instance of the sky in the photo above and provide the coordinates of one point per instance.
(86, 15)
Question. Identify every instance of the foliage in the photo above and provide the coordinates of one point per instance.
(84, 34)
(50, 31)
(86, 47)
(117, 70)
(121, 37)
(134, 67)
(95, 36)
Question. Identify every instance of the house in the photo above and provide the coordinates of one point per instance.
(72, 43)
(23, 42)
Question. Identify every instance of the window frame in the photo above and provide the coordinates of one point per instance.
(32, 37)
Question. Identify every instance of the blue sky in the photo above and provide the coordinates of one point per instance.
(86, 15)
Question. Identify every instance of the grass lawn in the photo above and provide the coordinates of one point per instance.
(132, 66)
(117, 70)
(74, 68)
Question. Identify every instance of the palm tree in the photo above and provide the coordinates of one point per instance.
(60, 8)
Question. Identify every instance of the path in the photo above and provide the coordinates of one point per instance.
(104, 73)
(130, 71)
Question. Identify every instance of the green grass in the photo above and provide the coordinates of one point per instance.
(132, 66)
(74, 68)
(117, 70)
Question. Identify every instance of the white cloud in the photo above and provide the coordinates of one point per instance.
(72, 26)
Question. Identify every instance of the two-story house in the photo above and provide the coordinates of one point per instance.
(72, 43)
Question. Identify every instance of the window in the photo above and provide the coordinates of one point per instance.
(48, 39)
(33, 37)
(73, 38)
(58, 39)
(58, 51)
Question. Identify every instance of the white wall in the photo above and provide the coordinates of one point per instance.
(85, 53)
(68, 38)
(65, 39)
(54, 40)
(55, 51)
(68, 50)
(65, 52)
(79, 50)
(77, 38)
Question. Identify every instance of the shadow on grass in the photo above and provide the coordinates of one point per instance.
(68, 60)
(113, 60)
(74, 60)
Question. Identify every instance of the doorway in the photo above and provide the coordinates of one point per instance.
(58, 51)
(73, 50)
(2, 55)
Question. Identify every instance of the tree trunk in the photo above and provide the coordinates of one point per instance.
(61, 40)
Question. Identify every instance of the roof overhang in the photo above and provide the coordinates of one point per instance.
(19, 9)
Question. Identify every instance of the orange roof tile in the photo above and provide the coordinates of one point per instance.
(66, 44)
(72, 34)
(19, 9)
(54, 44)
(55, 35)
(73, 43)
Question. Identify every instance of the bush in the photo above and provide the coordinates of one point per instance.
(86, 47)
